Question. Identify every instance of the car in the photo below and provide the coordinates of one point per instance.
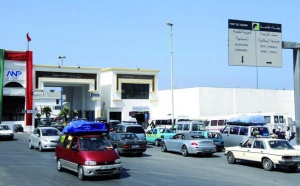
(270, 152)
(188, 127)
(57, 124)
(6, 132)
(127, 143)
(216, 137)
(44, 138)
(189, 143)
(83, 148)
(18, 128)
(157, 134)
(134, 128)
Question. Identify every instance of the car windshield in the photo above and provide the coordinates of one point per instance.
(198, 127)
(213, 135)
(165, 130)
(4, 127)
(136, 129)
(128, 136)
(98, 143)
(197, 137)
(280, 145)
(50, 132)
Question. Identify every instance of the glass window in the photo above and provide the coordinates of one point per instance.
(221, 123)
(234, 130)
(214, 122)
(155, 131)
(186, 127)
(135, 91)
(244, 131)
(180, 127)
(267, 119)
(226, 130)
(136, 129)
(98, 143)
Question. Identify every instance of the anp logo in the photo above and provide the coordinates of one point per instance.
(12, 73)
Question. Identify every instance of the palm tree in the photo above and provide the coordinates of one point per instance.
(64, 112)
(47, 111)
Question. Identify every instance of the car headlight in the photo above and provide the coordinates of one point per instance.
(46, 140)
(118, 161)
(90, 162)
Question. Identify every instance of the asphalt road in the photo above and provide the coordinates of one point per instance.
(20, 165)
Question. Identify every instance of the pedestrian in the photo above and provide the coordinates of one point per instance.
(288, 134)
(279, 133)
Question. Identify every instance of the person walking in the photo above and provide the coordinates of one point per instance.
(288, 134)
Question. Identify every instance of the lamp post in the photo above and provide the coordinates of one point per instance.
(62, 59)
(172, 97)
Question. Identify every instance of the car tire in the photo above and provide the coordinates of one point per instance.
(267, 164)
(293, 167)
(81, 173)
(184, 151)
(156, 143)
(59, 166)
(30, 145)
(40, 147)
(230, 158)
(163, 147)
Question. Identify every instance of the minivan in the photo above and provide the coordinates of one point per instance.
(134, 128)
(233, 135)
(188, 127)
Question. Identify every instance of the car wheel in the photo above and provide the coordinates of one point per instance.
(80, 173)
(30, 145)
(267, 164)
(184, 151)
(163, 147)
(59, 166)
(40, 147)
(230, 158)
(157, 143)
(293, 167)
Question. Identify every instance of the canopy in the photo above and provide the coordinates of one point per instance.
(247, 120)
(84, 126)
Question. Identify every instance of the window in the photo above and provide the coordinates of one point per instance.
(135, 91)
(67, 142)
(221, 123)
(267, 119)
(186, 127)
(155, 131)
(180, 127)
(214, 122)
(234, 130)
(226, 130)
(244, 131)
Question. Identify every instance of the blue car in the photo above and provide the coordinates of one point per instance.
(216, 137)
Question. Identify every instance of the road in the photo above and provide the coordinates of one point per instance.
(20, 165)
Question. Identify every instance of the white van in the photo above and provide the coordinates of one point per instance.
(233, 135)
(188, 127)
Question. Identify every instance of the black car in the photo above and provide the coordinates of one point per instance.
(57, 125)
(127, 143)
(18, 128)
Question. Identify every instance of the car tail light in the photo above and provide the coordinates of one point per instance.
(143, 145)
(126, 146)
(194, 144)
(287, 157)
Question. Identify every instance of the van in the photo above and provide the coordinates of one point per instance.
(134, 128)
(83, 148)
(188, 127)
(233, 135)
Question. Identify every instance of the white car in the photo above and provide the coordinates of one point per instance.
(6, 132)
(270, 152)
(44, 138)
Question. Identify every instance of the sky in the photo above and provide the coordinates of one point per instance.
(134, 34)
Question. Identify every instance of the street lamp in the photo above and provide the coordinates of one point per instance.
(62, 59)
(171, 25)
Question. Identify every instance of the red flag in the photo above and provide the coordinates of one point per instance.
(28, 38)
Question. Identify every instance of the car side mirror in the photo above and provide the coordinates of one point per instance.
(241, 144)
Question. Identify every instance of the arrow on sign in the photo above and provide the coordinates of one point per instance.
(242, 59)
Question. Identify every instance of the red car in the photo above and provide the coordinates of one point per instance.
(88, 154)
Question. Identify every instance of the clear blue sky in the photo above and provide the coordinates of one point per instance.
(134, 34)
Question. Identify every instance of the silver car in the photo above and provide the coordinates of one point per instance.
(44, 138)
(189, 143)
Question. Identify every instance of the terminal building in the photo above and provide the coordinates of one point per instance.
(123, 94)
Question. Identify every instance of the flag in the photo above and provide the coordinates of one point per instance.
(28, 38)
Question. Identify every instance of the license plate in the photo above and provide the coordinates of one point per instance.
(296, 158)
(106, 167)
(135, 146)
(206, 150)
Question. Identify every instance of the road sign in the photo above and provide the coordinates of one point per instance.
(254, 43)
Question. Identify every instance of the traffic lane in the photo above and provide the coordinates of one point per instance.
(20, 165)
(175, 169)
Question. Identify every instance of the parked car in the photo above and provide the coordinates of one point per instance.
(44, 138)
(188, 127)
(18, 128)
(57, 124)
(6, 132)
(134, 128)
(216, 137)
(127, 143)
(87, 152)
(189, 143)
(271, 153)
(157, 134)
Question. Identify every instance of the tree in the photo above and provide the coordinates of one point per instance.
(64, 112)
(47, 111)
